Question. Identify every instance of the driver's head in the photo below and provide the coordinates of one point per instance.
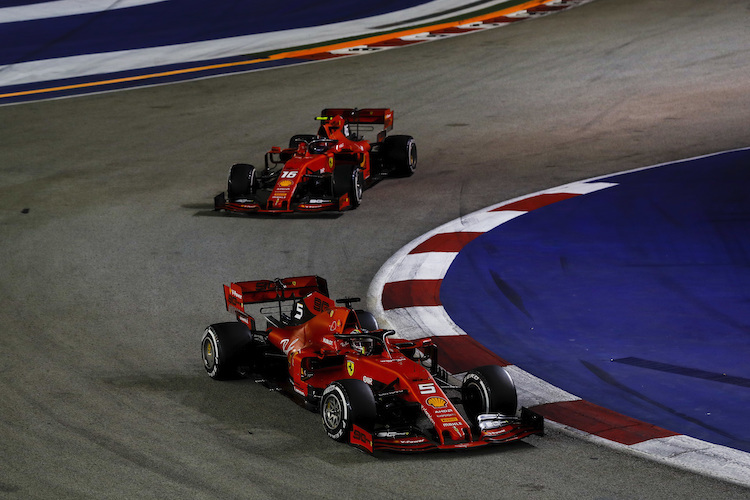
(362, 345)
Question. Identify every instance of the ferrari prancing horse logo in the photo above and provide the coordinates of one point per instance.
(350, 368)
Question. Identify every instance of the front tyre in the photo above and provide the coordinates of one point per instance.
(349, 179)
(358, 181)
(241, 182)
(488, 389)
(400, 154)
(346, 403)
(224, 347)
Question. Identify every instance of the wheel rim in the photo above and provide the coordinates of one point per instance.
(209, 354)
(357, 186)
(332, 413)
(473, 399)
(412, 157)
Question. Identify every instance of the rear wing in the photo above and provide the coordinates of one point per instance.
(382, 116)
(236, 295)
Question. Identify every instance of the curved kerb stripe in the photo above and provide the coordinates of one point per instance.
(405, 295)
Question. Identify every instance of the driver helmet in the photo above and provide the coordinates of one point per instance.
(362, 345)
(320, 146)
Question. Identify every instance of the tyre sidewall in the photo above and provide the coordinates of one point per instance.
(357, 186)
(495, 390)
(340, 431)
(411, 159)
(400, 154)
(230, 342)
(213, 365)
(241, 181)
(348, 179)
(357, 407)
(475, 386)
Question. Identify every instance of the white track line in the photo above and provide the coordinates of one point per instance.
(63, 8)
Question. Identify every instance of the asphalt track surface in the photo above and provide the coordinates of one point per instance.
(116, 265)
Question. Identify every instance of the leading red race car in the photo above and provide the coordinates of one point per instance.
(373, 390)
(327, 171)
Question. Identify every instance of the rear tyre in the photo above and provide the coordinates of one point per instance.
(400, 154)
(224, 347)
(346, 403)
(488, 389)
(241, 182)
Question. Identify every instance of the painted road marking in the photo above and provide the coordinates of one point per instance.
(62, 77)
(400, 306)
(61, 8)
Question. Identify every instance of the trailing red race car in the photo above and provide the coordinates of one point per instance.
(327, 171)
(373, 390)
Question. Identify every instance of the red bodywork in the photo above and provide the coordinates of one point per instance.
(318, 352)
(304, 165)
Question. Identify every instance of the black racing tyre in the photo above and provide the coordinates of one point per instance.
(348, 179)
(296, 139)
(400, 154)
(488, 389)
(358, 187)
(367, 320)
(224, 347)
(241, 182)
(346, 403)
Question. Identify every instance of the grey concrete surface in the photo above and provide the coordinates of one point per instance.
(109, 279)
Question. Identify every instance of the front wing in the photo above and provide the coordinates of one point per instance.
(312, 204)
(497, 430)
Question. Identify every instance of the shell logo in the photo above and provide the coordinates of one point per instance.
(436, 402)
(285, 183)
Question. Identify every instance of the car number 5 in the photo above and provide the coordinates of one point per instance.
(299, 311)
(427, 388)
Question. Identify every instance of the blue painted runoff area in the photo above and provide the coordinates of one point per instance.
(635, 297)
(172, 22)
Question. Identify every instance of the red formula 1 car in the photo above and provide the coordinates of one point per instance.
(373, 390)
(327, 171)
